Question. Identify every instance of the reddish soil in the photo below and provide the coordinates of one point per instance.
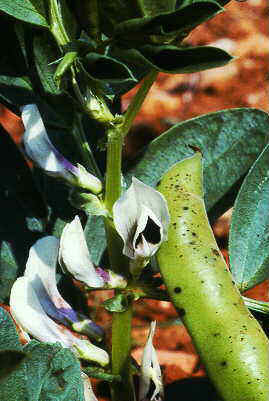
(243, 31)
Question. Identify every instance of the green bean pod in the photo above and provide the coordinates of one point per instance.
(229, 340)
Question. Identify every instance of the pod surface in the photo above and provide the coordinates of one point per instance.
(228, 338)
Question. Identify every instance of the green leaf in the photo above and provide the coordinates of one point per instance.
(230, 141)
(112, 12)
(16, 90)
(136, 65)
(89, 203)
(181, 20)
(158, 6)
(176, 60)
(9, 339)
(46, 52)
(12, 59)
(100, 373)
(53, 373)
(105, 68)
(249, 234)
(31, 11)
(20, 202)
(96, 237)
(49, 372)
(9, 361)
(64, 66)
(119, 303)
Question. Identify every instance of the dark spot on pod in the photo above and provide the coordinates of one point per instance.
(249, 382)
(174, 224)
(177, 290)
(158, 183)
(223, 363)
(192, 242)
(216, 334)
(215, 251)
(202, 281)
(181, 312)
(185, 208)
(194, 234)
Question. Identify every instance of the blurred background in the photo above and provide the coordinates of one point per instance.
(242, 31)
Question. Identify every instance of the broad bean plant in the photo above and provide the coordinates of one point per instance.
(75, 219)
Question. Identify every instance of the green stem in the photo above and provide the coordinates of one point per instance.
(56, 23)
(113, 167)
(258, 306)
(137, 101)
(93, 16)
(121, 347)
(121, 325)
(86, 152)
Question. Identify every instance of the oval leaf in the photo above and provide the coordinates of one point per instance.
(183, 19)
(31, 11)
(175, 60)
(249, 235)
(230, 141)
(106, 68)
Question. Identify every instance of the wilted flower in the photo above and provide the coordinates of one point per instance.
(74, 256)
(150, 372)
(35, 297)
(40, 149)
(141, 217)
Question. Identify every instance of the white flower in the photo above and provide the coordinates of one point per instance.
(74, 256)
(35, 297)
(41, 272)
(27, 311)
(40, 149)
(150, 371)
(141, 218)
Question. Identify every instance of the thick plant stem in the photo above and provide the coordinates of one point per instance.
(113, 167)
(121, 325)
(137, 101)
(121, 347)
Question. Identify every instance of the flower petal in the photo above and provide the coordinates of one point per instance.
(88, 391)
(41, 271)
(125, 214)
(148, 235)
(150, 371)
(141, 218)
(154, 201)
(39, 147)
(29, 314)
(74, 255)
